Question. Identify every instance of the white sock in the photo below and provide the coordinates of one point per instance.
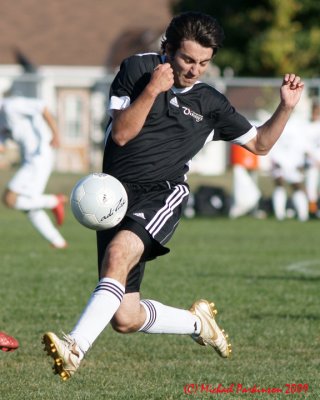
(279, 201)
(300, 202)
(165, 319)
(27, 203)
(102, 305)
(42, 223)
(312, 184)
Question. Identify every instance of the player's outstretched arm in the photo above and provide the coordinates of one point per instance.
(49, 118)
(270, 131)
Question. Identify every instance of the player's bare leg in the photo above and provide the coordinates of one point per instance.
(150, 316)
(123, 253)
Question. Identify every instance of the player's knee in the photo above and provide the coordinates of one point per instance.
(9, 199)
(124, 324)
(296, 187)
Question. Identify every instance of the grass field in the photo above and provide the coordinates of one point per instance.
(263, 276)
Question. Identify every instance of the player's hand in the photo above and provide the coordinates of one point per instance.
(55, 142)
(162, 78)
(291, 89)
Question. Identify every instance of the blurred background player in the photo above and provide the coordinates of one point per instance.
(245, 191)
(29, 123)
(288, 158)
(313, 162)
(8, 343)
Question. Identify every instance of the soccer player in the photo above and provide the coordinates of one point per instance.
(313, 163)
(30, 124)
(288, 158)
(8, 343)
(161, 116)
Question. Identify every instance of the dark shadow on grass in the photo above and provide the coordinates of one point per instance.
(310, 317)
(261, 277)
(287, 278)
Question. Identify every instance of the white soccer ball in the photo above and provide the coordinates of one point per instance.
(99, 201)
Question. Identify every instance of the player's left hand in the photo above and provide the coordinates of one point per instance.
(291, 89)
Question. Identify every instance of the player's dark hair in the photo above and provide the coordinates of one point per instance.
(195, 26)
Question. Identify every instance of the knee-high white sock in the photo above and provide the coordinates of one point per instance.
(165, 319)
(102, 305)
(42, 223)
(300, 202)
(27, 203)
(312, 184)
(279, 201)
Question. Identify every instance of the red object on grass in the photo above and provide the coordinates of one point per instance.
(58, 210)
(8, 343)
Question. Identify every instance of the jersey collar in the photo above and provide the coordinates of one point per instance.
(183, 90)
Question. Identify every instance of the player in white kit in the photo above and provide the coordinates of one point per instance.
(288, 158)
(29, 123)
(313, 163)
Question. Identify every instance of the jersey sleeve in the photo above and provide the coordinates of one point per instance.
(229, 125)
(124, 86)
(128, 83)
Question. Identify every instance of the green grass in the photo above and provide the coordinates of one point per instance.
(263, 276)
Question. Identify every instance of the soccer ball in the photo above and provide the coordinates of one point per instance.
(99, 201)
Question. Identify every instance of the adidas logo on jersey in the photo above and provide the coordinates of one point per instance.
(174, 102)
(141, 215)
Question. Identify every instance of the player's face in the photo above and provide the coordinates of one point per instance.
(189, 62)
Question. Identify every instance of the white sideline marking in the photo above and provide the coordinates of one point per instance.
(308, 267)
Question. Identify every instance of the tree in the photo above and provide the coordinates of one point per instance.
(265, 37)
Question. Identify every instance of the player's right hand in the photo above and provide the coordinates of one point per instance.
(162, 78)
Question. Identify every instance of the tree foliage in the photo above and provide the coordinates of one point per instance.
(265, 37)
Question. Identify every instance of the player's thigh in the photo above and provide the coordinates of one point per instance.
(23, 180)
(294, 176)
(123, 253)
(31, 178)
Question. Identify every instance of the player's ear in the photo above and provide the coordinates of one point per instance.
(169, 52)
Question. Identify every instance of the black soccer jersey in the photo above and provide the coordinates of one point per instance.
(179, 124)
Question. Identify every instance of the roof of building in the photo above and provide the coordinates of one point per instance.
(77, 32)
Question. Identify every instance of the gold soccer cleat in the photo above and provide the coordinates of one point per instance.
(210, 333)
(65, 354)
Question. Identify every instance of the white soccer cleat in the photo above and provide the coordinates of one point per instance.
(210, 333)
(65, 354)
